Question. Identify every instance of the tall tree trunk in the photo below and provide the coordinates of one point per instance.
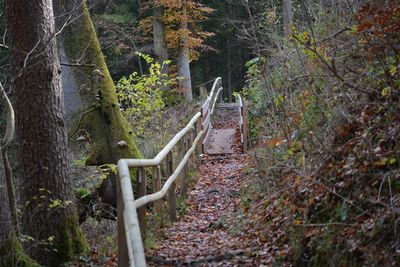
(98, 115)
(228, 63)
(183, 58)
(159, 38)
(50, 215)
(287, 17)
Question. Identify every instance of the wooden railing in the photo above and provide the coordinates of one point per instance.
(131, 212)
(244, 138)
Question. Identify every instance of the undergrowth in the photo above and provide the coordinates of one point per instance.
(325, 115)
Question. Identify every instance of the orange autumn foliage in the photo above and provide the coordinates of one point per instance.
(173, 19)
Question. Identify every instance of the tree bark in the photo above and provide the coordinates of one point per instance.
(5, 217)
(98, 114)
(183, 59)
(287, 17)
(50, 215)
(160, 40)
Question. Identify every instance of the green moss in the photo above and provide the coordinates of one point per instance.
(70, 242)
(106, 124)
(12, 255)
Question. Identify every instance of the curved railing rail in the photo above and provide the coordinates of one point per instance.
(131, 212)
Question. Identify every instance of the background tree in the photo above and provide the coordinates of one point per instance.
(287, 17)
(184, 36)
(50, 215)
(185, 84)
(160, 38)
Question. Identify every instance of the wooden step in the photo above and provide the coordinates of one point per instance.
(220, 142)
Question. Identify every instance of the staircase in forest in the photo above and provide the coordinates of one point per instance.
(198, 137)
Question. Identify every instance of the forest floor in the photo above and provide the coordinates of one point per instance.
(209, 234)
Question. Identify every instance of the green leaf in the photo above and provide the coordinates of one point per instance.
(392, 161)
(354, 29)
(54, 203)
(386, 91)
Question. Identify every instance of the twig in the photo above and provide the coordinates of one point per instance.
(392, 209)
(210, 81)
(70, 20)
(94, 107)
(77, 65)
(334, 35)
(306, 76)
(4, 40)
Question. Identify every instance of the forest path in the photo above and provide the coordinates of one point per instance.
(207, 235)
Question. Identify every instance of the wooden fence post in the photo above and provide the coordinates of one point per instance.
(245, 128)
(123, 255)
(199, 127)
(183, 175)
(141, 182)
(186, 170)
(171, 191)
(157, 187)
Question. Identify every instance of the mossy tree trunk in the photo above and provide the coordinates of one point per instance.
(99, 118)
(50, 215)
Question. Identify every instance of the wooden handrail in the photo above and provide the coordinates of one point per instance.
(130, 245)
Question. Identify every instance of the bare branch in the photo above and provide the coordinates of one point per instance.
(4, 149)
(10, 118)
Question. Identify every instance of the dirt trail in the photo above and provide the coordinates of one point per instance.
(205, 236)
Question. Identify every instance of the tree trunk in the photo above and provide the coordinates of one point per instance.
(287, 17)
(160, 41)
(183, 59)
(98, 115)
(50, 215)
(228, 66)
